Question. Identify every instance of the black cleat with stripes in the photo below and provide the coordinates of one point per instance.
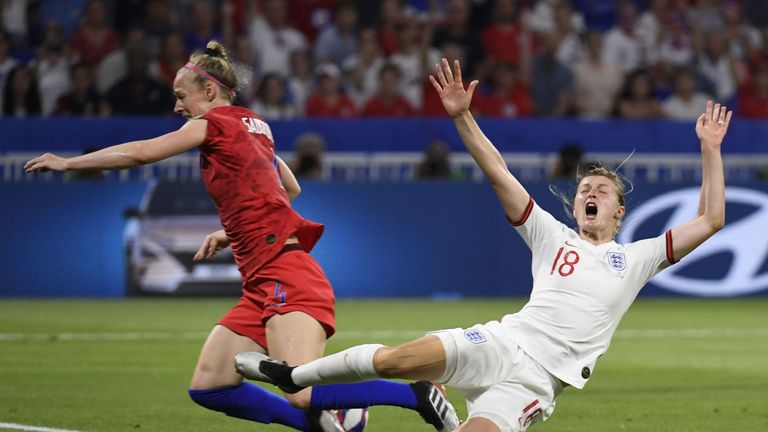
(434, 407)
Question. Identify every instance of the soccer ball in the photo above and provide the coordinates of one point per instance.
(352, 420)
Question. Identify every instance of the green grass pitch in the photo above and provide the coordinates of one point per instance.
(124, 365)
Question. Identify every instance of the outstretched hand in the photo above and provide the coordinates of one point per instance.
(449, 86)
(46, 162)
(712, 125)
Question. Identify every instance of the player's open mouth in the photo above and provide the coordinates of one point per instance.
(591, 210)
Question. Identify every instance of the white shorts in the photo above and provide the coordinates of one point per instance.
(499, 380)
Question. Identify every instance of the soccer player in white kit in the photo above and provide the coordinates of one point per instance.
(510, 371)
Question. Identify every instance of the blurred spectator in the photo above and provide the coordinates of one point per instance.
(272, 38)
(388, 102)
(456, 33)
(390, 17)
(551, 82)
(508, 39)
(707, 16)
(138, 93)
(66, 14)
(651, 26)
(362, 68)
(204, 26)
(172, 57)
(161, 19)
(542, 18)
(756, 11)
(436, 164)
(636, 100)
(128, 14)
(568, 163)
(570, 49)
(328, 100)
(247, 75)
(620, 45)
(6, 63)
(716, 64)
(414, 58)
(271, 102)
(339, 40)
(308, 156)
(83, 100)
(686, 103)
(745, 40)
(596, 82)
(510, 97)
(14, 18)
(676, 44)
(114, 67)
(21, 97)
(311, 16)
(94, 39)
(300, 81)
(52, 72)
(753, 97)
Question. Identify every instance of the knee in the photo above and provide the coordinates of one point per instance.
(300, 400)
(389, 363)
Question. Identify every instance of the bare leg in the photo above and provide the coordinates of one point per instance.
(214, 366)
(295, 338)
(478, 424)
(420, 359)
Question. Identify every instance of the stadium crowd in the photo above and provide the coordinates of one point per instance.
(633, 59)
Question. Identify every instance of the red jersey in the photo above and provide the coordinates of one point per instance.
(239, 168)
(342, 107)
(516, 103)
(378, 107)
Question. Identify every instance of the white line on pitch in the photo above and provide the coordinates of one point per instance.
(15, 426)
(367, 334)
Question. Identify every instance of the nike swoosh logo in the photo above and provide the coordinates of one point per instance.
(571, 245)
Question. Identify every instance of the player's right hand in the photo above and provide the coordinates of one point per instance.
(46, 162)
(449, 86)
(212, 245)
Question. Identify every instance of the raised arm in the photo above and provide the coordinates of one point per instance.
(290, 183)
(710, 128)
(128, 155)
(513, 196)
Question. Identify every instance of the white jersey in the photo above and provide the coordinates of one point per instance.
(580, 292)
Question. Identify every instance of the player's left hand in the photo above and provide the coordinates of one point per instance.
(712, 125)
(46, 162)
(212, 245)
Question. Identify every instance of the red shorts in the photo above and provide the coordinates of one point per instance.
(293, 281)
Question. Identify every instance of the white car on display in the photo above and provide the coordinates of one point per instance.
(162, 236)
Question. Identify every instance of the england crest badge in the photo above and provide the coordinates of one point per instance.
(617, 261)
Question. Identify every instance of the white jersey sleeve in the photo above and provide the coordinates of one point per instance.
(651, 256)
(536, 225)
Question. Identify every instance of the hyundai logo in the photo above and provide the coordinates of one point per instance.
(745, 239)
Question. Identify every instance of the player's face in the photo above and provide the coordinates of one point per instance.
(596, 206)
(191, 100)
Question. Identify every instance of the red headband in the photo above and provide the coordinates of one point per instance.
(206, 75)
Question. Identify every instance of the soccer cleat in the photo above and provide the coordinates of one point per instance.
(259, 367)
(434, 407)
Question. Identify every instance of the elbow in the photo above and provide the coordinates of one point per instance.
(139, 159)
(294, 192)
(718, 225)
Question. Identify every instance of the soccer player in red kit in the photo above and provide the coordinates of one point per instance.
(287, 307)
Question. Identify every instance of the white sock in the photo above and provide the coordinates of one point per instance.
(351, 365)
